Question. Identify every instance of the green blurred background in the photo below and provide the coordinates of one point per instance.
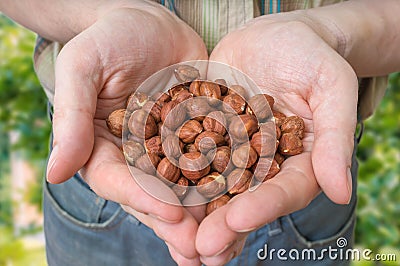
(24, 131)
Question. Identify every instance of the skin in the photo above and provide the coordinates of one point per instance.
(308, 60)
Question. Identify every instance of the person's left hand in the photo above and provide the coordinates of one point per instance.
(307, 78)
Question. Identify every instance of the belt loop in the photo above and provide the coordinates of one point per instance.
(275, 227)
(360, 132)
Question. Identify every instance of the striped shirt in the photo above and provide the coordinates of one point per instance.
(212, 20)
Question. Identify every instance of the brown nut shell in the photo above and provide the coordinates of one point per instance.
(211, 185)
(234, 103)
(290, 144)
(244, 156)
(189, 131)
(186, 73)
(142, 124)
(217, 203)
(216, 122)
(148, 163)
(238, 181)
(115, 122)
(132, 151)
(167, 170)
(293, 124)
(194, 165)
(208, 140)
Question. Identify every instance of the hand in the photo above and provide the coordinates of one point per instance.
(307, 78)
(95, 73)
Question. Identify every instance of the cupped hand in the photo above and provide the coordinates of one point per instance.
(308, 78)
(95, 73)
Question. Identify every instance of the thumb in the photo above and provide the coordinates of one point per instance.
(334, 105)
(75, 98)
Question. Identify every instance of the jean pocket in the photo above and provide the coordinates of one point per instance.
(323, 225)
(74, 201)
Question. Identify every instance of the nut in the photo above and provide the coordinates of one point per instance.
(290, 144)
(194, 88)
(273, 170)
(115, 122)
(208, 140)
(242, 127)
(185, 73)
(238, 181)
(221, 159)
(222, 85)
(211, 185)
(279, 158)
(173, 114)
(148, 163)
(260, 105)
(264, 140)
(237, 89)
(176, 89)
(212, 91)
(172, 147)
(154, 109)
(197, 108)
(234, 103)
(189, 131)
(154, 145)
(181, 188)
(194, 165)
(182, 95)
(278, 117)
(132, 151)
(216, 122)
(190, 148)
(244, 156)
(260, 168)
(142, 124)
(136, 100)
(161, 98)
(168, 171)
(217, 203)
(293, 124)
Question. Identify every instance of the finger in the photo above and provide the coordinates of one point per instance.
(291, 189)
(334, 105)
(181, 260)
(230, 253)
(181, 236)
(108, 176)
(77, 77)
(214, 236)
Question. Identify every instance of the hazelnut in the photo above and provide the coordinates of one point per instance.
(242, 127)
(154, 109)
(278, 117)
(115, 122)
(273, 170)
(154, 145)
(194, 165)
(190, 148)
(142, 124)
(238, 181)
(136, 100)
(261, 168)
(221, 159)
(197, 108)
(182, 95)
(264, 140)
(181, 188)
(244, 156)
(234, 103)
(161, 98)
(212, 91)
(260, 105)
(279, 158)
(132, 151)
(223, 86)
(164, 131)
(194, 87)
(173, 114)
(293, 124)
(217, 203)
(172, 146)
(189, 131)
(237, 89)
(278, 132)
(176, 89)
(148, 163)
(186, 73)
(168, 170)
(216, 122)
(208, 140)
(290, 144)
(211, 185)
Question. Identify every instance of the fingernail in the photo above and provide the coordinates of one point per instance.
(223, 249)
(162, 219)
(349, 184)
(52, 162)
(246, 230)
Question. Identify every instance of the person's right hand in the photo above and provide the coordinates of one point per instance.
(95, 73)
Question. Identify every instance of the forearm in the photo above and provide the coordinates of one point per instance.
(63, 19)
(366, 33)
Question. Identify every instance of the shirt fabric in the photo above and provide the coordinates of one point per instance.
(212, 20)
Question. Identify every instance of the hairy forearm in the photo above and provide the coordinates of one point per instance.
(61, 20)
(365, 32)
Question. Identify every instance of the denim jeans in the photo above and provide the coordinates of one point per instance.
(84, 229)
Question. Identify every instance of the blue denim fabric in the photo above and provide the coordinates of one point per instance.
(84, 229)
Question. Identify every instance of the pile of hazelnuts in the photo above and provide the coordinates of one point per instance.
(206, 134)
